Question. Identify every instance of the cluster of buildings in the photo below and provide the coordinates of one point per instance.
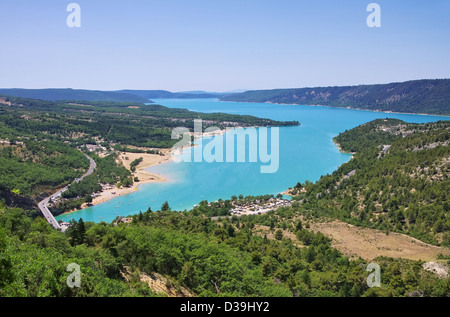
(7, 142)
(259, 208)
(100, 150)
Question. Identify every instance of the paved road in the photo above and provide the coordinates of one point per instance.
(43, 205)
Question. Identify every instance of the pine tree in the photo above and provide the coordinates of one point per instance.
(165, 206)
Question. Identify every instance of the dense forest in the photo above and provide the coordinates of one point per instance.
(31, 168)
(398, 180)
(40, 141)
(107, 172)
(419, 96)
(124, 123)
(193, 256)
(73, 94)
(141, 96)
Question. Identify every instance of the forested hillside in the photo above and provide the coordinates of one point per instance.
(32, 168)
(193, 256)
(398, 180)
(124, 123)
(420, 96)
(73, 94)
(40, 143)
(142, 96)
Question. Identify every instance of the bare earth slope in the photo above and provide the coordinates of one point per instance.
(370, 243)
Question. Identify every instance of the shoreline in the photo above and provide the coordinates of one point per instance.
(150, 160)
(145, 177)
(341, 150)
(125, 158)
(349, 108)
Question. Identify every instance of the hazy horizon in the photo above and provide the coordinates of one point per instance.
(221, 46)
(216, 92)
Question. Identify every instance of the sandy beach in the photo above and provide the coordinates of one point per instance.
(125, 159)
(144, 177)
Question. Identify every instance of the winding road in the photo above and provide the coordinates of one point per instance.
(43, 205)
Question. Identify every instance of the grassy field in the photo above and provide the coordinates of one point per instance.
(370, 243)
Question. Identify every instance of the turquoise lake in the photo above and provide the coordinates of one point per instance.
(305, 153)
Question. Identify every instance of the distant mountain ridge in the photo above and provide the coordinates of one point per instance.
(418, 96)
(430, 96)
(126, 95)
(55, 94)
(163, 94)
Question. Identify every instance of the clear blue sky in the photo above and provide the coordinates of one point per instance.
(219, 45)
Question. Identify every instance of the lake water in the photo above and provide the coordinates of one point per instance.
(305, 153)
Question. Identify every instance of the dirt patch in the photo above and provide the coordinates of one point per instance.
(79, 104)
(4, 102)
(159, 284)
(370, 243)
(440, 269)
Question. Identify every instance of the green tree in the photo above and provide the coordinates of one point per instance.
(279, 234)
(6, 273)
(127, 182)
(165, 206)
(77, 232)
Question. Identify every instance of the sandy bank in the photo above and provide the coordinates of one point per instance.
(148, 160)
(125, 159)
